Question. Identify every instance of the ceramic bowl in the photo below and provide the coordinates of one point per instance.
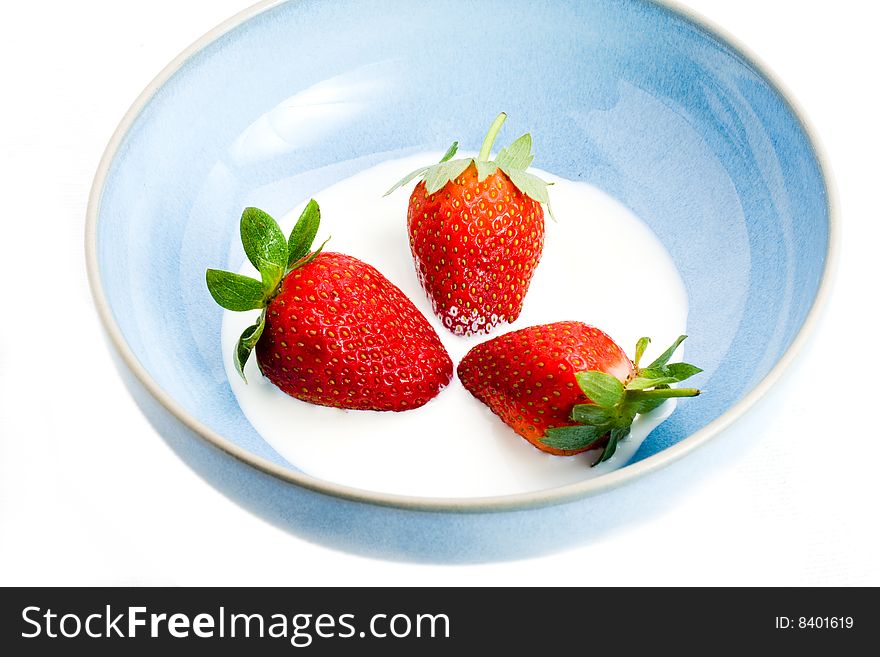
(638, 98)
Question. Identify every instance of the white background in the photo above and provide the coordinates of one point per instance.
(798, 505)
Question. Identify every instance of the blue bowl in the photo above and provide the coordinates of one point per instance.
(635, 97)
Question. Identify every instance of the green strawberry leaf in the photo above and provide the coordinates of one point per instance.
(516, 156)
(616, 436)
(649, 379)
(530, 185)
(234, 291)
(246, 344)
(303, 233)
(641, 345)
(592, 414)
(666, 355)
(408, 178)
(603, 389)
(271, 275)
(576, 437)
(450, 153)
(423, 171)
(439, 175)
(682, 371)
(654, 373)
(310, 257)
(672, 373)
(262, 239)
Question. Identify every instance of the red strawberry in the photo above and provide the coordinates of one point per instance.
(567, 387)
(333, 330)
(476, 231)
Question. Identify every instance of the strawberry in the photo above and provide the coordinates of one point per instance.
(476, 232)
(333, 331)
(567, 387)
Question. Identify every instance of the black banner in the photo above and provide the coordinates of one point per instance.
(431, 621)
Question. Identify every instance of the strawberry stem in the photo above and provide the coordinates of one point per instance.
(486, 149)
(661, 393)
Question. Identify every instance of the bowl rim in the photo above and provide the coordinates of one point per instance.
(520, 501)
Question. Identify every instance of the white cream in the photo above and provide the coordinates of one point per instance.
(601, 265)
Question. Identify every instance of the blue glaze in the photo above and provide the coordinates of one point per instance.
(628, 96)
